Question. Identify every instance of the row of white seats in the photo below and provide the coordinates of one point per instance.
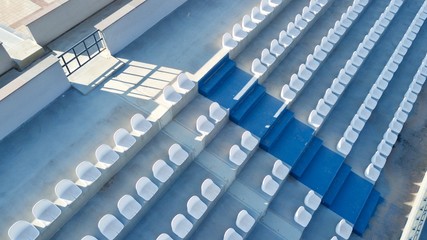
(244, 223)
(384, 148)
(322, 51)
(67, 191)
(271, 183)
(278, 46)
(303, 216)
(196, 208)
(203, 125)
(346, 74)
(249, 23)
(128, 206)
(357, 124)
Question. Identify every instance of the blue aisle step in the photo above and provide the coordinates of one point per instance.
(209, 82)
(292, 142)
(352, 197)
(336, 185)
(322, 170)
(262, 115)
(368, 211)
(308, 155)
(248, 101)
(276, 129)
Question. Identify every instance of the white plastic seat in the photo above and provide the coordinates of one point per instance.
(181, 226)
(300, 23)
(295, 83)
(257, 68)
(228, 42)
(231, 234)
(23, 230)
(46, 211)
(140, 124)
(128, 206)
(414, 87)
(292, 30)
(406, 106)
(423, 70)
(256, 15)
(280, 170)
(315, 119)
(314, 8)
(302, 216)
(287, 94)
(363, 2)
(312, 200)
(274, 3)
(322, 3)
(319, 54)
(337, 87)
(236, 155)
(356, 60)
(410, 35)
(420, 79)
(375, 93)
(395, 126)
(372, 173)
(106, 155)
(269, 186)
(303, 73)
(357, 123)
(352, 13)
(392, 67)
(370, 102)
(245, 221)
(203, 125)
(170, 95)
(326, 45)
(110, 226)
(384, 148)
(237, 33)
(267, 58)
(275, 48)
(322, 108)
(265, 7)
(381, 84)
(195, 207)
(361, 51)
(396, 58)
(248, 141)
(351, 135)
(210, 190)
(388, 15)
(162, 171)
(247, 24)
(87, 172)
(344, 147)
(123, 139)
(343, 77)
(363, 112)
(390, 137)
(402, 50)
(307, 15)
(164, 236)
(350, 69)
(410, 97)
(388, 75)
(67, 191)
(406, 42)
(373, 36)
(401, 116)
(368, 44)
(146, 188)
(339, 29)
(378, 160)
(383, 21)
(284, 39)
(184, 82)
(343, 229)
(177, 155)
(358, 8)
(332, 37)
(216, 112)
(311, 63)
(89, 237)
(329, 97)
(345, 21)
(378, 28)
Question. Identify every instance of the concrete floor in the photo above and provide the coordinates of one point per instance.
(69, 130)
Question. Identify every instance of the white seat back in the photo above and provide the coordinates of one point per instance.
(162, 171)
(195, 207)
(245, 221)
(302, 216)
(312, 200)
(87, 172)
(216, 112)
(343, 229)
(210, 190)
(203, 125)
(181, 226)
(231, 234)
(177, 155)
(46, 211)
(110, 226)
(280, 170)
(106, 155)
(269, 186)
(140, 124)
(171, 95)
(146, 188)
(23, 230)
(123, 139)
(236, 155)
(128, 206)
(248, 141)
(184, 82)
(67, 190)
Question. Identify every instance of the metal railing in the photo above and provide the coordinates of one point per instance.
(82, 52)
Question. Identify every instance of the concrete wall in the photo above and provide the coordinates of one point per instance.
(6, 62)
(132, 20)
(55, 21)
(30, 92)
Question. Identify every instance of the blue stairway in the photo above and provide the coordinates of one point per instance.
(293, 142)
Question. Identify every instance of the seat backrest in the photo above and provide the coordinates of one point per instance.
(67, 190)
(110, 226)
(23, 230)
(46, 210)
